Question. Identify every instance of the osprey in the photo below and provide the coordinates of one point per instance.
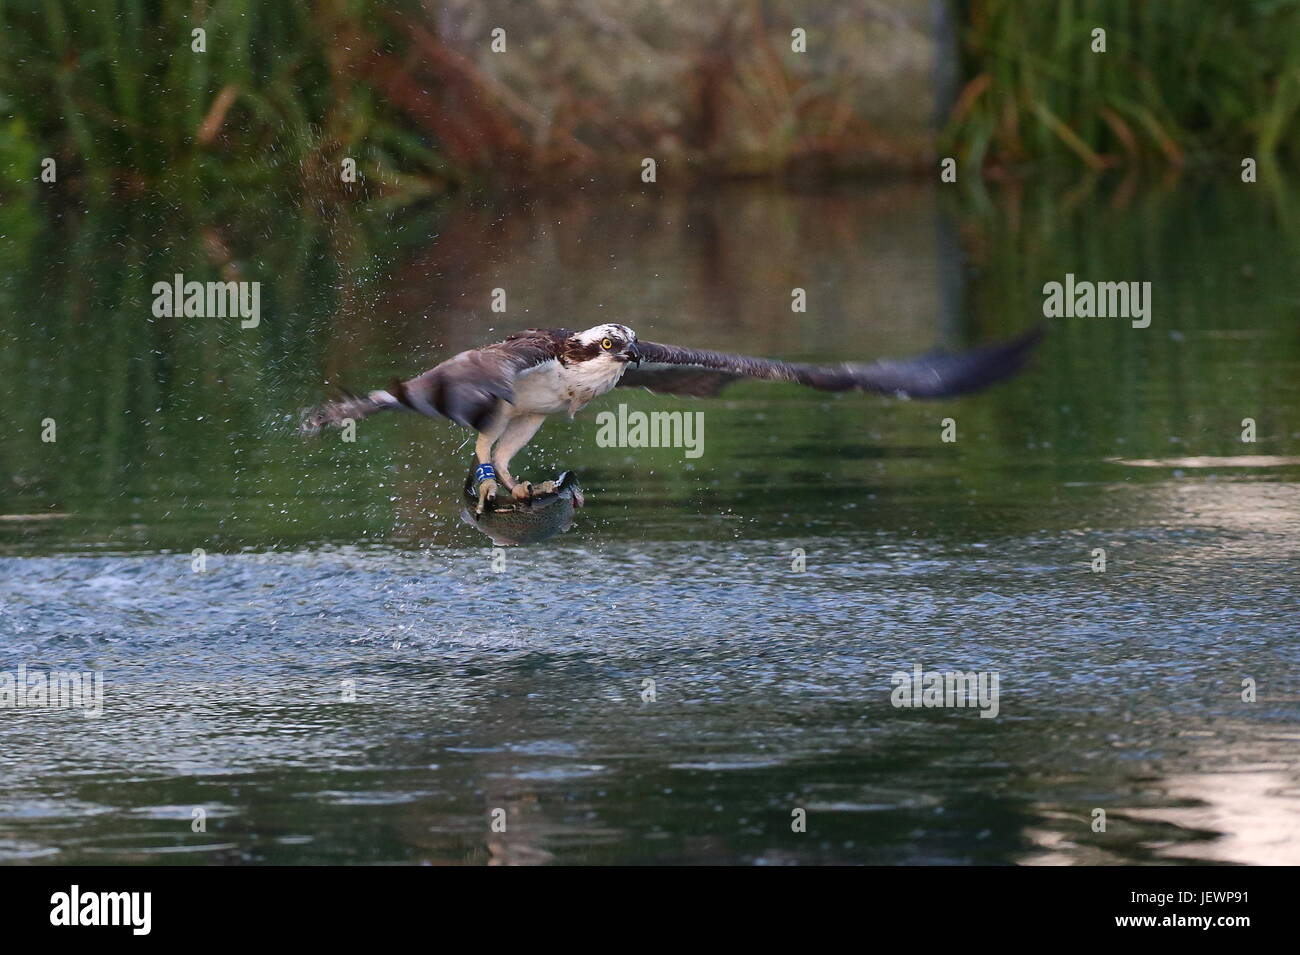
(504, 391)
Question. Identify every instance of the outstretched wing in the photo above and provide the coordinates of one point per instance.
(670, 370)
(467, 387)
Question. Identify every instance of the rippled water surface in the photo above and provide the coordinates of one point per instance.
(352, 678)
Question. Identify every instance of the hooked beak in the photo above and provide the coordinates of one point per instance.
(634, 353)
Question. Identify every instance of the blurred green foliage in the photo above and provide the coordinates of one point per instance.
(1179, 80)
(117, 94)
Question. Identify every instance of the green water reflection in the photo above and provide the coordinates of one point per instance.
(176, 434)
(173, 432)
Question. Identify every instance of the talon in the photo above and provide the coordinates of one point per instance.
(487, 494)
(546, 487)
(522, 491)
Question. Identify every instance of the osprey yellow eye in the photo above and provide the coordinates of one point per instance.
(606, 344)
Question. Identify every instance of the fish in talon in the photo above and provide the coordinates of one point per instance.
(512, 522)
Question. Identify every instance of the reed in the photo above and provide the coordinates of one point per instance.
(115, 92)
(1180, 81)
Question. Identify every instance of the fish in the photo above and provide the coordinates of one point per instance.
(511, 523)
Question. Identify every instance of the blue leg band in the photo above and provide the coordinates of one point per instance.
(484, 472)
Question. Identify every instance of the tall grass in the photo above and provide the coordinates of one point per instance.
(115, 93)
(1180, 80)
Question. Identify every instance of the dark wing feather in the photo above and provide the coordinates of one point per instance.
(467, 387)
(937, 375)
(693, 382)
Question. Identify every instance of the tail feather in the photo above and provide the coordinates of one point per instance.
(333, 414)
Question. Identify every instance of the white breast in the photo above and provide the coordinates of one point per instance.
(550, 387)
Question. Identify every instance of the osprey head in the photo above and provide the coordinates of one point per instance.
(609, 342)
